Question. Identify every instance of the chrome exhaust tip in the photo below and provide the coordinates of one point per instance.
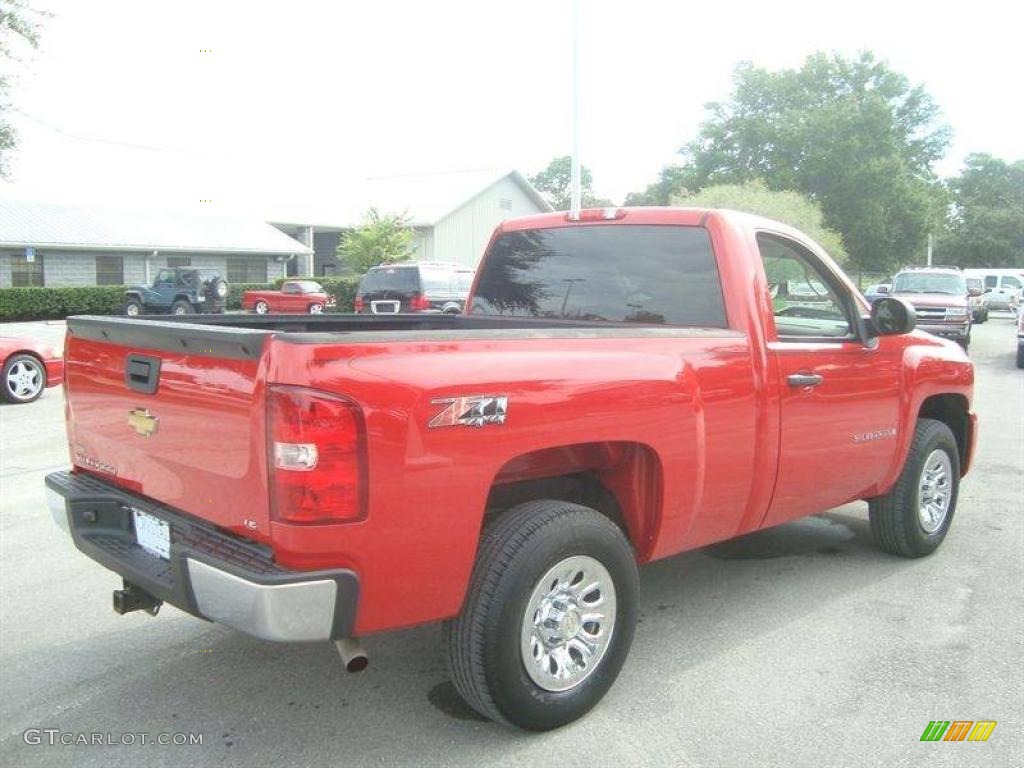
(352, 653)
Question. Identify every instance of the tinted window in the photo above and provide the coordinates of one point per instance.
(390, 279)
(991, 281)
(641, 274)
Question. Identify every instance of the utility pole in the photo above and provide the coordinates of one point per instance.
(575, 181)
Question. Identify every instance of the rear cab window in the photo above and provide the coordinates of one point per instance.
(645, 274)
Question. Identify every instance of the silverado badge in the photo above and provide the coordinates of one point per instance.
(470, 411)
(143, 422)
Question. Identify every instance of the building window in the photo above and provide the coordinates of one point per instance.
(247, 270)
(109, 270)
(25, 273)
(179, 261)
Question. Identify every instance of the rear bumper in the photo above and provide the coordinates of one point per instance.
(210, 574)
(54, 371)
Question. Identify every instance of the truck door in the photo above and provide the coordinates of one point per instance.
(163, 289)
(840, 397)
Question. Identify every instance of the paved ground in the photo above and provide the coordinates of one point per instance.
(797, 646)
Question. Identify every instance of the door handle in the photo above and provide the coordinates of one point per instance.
(804, 379)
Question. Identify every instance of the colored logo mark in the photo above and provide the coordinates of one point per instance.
(958, 730)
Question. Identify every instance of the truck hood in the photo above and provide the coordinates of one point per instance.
(933, 299)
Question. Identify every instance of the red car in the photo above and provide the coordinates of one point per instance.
(625, 385)
(28, 368)
(295, 297)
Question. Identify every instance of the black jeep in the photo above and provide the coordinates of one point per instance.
(178, 291)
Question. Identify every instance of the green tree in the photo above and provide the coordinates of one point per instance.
(673, 181)
(790, 208)
(19, 28)
(555, 184)
(381, 239)
(986, 222)
(852, 134)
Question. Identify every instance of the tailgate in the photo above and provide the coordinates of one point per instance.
(173, 411)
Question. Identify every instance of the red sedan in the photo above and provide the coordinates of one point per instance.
(295, 297)
(28, 368)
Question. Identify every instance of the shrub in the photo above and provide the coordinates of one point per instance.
(56, 303)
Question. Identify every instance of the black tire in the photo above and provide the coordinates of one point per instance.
(23, 391)
(1020, 356)
(133, 308)
(484, 653)
(182, 307)
(895, 522)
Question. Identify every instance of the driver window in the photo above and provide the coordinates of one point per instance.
(289, 288)
(164, 276)
(804, 301)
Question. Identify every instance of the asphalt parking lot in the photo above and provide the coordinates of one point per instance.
(800, 645)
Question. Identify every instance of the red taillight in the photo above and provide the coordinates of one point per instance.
(358, 305)
(317, 454)
(596, 214)
(419, 302)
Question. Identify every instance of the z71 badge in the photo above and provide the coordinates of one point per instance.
(470, 411)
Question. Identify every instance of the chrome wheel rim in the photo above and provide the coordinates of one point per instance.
(935, 491)
(24, 380)
(568, 623)
(261, 308)
(132, 310)
(180, 311)
(316, 309)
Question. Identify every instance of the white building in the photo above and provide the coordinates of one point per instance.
(453, 214)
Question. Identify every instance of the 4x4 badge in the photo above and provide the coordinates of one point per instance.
(143, 422)
(470, 411)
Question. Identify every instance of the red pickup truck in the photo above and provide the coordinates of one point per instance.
(295, 297)
(626, 384)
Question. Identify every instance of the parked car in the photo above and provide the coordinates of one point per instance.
(939, 297)
(877, 291)
(413, 287)
(1020, 337)
(306, 297)
(506, 469)
(977, 299)
(178, 291)
(1002, 286)
(27, 368)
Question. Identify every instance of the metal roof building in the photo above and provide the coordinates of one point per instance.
(52, 244)
(453, 214)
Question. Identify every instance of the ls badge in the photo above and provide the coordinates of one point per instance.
(470, 411)
(143, 422)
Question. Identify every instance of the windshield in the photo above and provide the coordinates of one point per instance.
(974, 283)
(929, 282)
(636, 274)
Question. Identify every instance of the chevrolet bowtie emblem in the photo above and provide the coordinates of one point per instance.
(143, 422)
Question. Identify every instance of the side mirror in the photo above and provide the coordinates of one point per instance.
(891, 316)
(974, 291)
(988, 290)
(882, 289)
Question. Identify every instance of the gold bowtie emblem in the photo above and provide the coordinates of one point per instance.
(143, 422)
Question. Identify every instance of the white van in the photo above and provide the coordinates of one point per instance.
(1003, 287)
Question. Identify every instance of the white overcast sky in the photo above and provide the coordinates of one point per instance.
(122, 107)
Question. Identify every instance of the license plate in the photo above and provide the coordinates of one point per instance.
(384, 307)
(152, 534)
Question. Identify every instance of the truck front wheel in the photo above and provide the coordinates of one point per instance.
(914, 517)
(549, 615)
(133, 308)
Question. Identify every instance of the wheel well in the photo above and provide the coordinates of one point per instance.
(182, 297)
(620, 480)
(951, 410)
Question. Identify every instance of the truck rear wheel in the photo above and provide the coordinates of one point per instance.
(914, 517)
(549, 616)
(182, 307)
